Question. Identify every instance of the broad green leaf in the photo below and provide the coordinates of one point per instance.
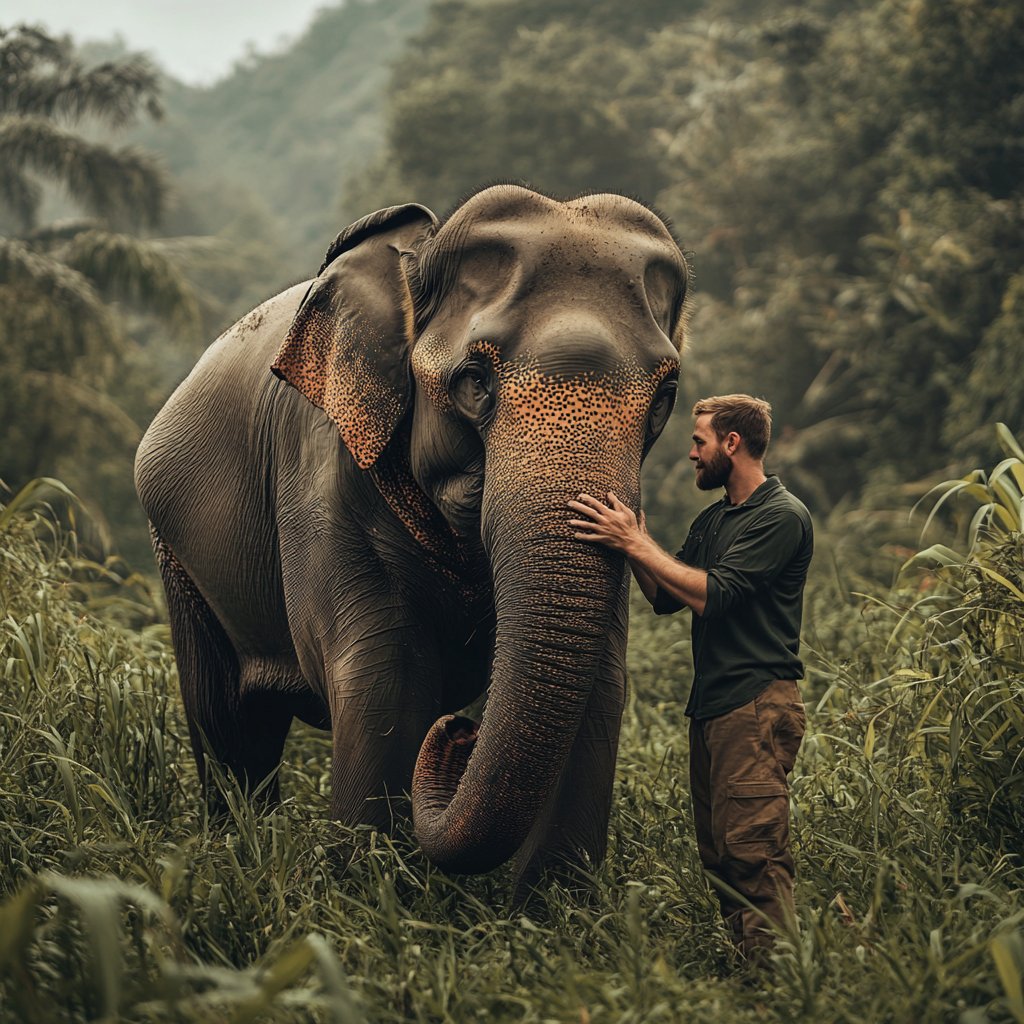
(948, 489)
(1012, 467)
(1009, 499)
(936, 555)
(979, 492)
(978, 521)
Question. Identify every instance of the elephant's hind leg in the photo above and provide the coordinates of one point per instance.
(244, 733)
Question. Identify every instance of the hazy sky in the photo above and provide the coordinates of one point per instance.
(195, 40)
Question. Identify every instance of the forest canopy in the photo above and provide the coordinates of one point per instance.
(846, 177)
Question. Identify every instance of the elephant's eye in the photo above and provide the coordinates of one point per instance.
(472, 393)
(660, 409)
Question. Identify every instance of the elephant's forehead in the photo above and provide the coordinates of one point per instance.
(501, 203)
(592, 226)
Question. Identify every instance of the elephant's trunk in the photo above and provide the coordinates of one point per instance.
(559, 429)
(477, 796)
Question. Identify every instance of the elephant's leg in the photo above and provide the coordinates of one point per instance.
(208, 671)
(233, 716)
(384, 698)
(572, 834)
(266, 708)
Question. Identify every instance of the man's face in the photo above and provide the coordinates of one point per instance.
(712, 464)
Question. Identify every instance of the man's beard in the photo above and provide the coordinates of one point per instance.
(715, 472)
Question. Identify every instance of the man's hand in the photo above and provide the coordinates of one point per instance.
(615, 525)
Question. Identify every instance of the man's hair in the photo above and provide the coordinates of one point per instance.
(749, 417)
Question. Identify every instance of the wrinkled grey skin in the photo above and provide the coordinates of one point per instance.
(375, 566)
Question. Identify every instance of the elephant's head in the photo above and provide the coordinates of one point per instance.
(532, 347)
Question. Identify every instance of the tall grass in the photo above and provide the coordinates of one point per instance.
(120, 902)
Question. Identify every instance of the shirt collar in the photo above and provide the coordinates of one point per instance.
(759, 496)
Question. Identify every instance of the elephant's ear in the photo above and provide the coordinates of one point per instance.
(346, 349)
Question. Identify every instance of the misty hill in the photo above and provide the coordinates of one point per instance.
(264, 150)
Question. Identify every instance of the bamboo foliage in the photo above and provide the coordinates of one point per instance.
(999, 497)
(43, 86)
(967, 629)
(139, 273)
(110, 183)
(51, 301)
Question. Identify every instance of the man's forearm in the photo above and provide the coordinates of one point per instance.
(654, 568)
(648, 584)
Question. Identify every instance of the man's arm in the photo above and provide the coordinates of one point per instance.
(616, 526)
(648, 584)
(754, 559)
(667, 573)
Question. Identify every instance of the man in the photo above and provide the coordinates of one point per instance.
(741, 571)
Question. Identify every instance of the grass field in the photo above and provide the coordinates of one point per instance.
(118, 902)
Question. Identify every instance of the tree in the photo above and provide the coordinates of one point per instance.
(66, 285)
(860, 234)
(556, 94)
(847, 175)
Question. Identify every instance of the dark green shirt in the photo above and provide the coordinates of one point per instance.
(756, 555)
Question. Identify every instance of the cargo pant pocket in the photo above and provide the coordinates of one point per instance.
(757, 819)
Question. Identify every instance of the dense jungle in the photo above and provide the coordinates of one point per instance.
(846, 178)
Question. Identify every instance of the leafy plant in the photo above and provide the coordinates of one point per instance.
(968, 634)
(120, 901)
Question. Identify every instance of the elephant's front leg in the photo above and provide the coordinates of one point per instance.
(572, 834)
(384, 695)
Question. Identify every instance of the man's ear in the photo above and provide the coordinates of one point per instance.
(346, 349)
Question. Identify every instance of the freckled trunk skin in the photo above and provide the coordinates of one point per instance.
(475, 803)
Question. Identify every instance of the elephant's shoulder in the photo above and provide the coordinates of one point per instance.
(259, 333)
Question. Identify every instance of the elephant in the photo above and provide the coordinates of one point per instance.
(358, 503)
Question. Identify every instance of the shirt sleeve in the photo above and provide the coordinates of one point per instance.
(753, 560)
(664, 602)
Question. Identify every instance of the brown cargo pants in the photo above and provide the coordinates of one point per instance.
(739, 762)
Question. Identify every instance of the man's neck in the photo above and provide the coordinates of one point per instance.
(743, 481)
